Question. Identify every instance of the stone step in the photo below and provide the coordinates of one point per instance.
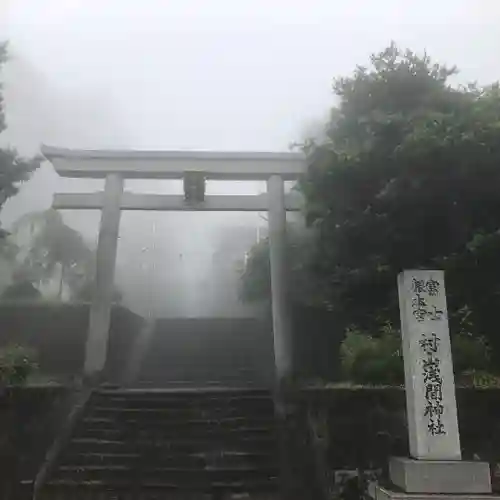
(175, 414)
(152, 420)
(157, 443)
(183, 478)
(185, 394)
(236, 443)
(157, 379)
(158, 490)
(166, 458)
(245, 406)
(207, 424)
(171, 436)
(209, 378)
(182, 413)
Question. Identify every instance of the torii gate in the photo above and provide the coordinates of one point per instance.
(194, 167)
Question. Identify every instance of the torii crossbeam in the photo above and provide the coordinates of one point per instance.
(115, 166)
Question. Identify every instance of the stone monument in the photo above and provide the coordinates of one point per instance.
(434, 467)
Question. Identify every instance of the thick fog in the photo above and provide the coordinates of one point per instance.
(183, 75)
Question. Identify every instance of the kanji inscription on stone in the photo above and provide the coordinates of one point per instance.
(429, 381)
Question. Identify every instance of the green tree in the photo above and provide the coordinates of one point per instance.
(56, 249)
(377, 358)
(21, 290)
(409, 177)
(85, 291)
(255, 277)
(13, 168)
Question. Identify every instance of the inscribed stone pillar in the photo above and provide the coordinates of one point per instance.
(277, 252)
(102, 297)
(430, 387)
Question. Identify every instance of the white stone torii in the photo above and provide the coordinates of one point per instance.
(115, 166)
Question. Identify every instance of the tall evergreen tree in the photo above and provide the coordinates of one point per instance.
(14, 169)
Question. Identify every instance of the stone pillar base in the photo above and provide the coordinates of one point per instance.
(380, 493)
(440, 477)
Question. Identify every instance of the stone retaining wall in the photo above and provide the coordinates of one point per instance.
(365, 426)
(58, 332)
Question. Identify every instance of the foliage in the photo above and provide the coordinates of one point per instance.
(408, 178)
(13, 168)
(84, 293)
(479, 379)
(256, 278)
(372, 360)
(56, 249)
(21, 290)
(470, 353)
(377, 359)
(8, 249)
(16, 364)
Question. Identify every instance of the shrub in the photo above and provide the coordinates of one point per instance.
(372, 360)
(479, 379)
(470, 353)
(377, 360)
(23, 290)
(16, 364)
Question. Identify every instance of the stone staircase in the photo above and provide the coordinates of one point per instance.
(163, 444)
(194, 352)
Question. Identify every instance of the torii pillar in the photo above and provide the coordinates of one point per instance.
(279, 270)
(102, 296)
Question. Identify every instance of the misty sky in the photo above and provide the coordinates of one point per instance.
(216, 75)
(247, 74)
